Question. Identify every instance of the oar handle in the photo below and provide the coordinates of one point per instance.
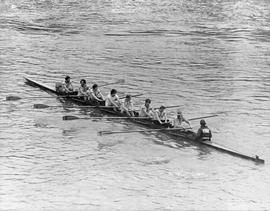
(175, 106)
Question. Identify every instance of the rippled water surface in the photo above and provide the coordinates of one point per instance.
(208, 56)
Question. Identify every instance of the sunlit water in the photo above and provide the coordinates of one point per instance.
(207, 56)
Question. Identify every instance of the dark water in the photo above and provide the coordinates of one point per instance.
(207, 56)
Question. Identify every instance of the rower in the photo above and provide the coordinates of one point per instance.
(83, 89)
(67, 85)
(179, 121)
(160, 117)
(146, 109)
(204, 133)
(113, 100)
(127, 106)
(95, 94)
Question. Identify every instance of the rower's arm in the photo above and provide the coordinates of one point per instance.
(94, 96)
(118, 100)
(102, 97)
(131, 106)
(124, 106)
(145, 113)
(80, 91)
(112, 102)
(157, 117)
(165, 117)
(184, 119)
(174, 123)
(71, 88)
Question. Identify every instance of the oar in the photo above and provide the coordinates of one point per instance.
(13, 98)
(135, 131)
(41, 106)
(202, 117)
(69, 117)
(136, 95)
(116, 82)
(174, 106)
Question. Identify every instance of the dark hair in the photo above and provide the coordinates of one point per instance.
(148, 100)
(162, 107)
(128, 96)
(113, 91)
(67, 77)
(202, 122)
(94, 86)
(83, 80)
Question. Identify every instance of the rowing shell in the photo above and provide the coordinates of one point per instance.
(180, 135)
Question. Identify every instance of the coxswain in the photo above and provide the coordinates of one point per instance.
(204, 133)
(67, 85)
(95, 94)
(83, 89)
(113, 100)
(179, 121)
(146, 109)
(127, 106)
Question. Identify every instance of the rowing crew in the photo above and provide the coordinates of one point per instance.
(95, 95)
(112, 100)
(160, 117)
(84, 91)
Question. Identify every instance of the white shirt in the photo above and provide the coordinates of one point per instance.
(83, 90)
(161, 116)
(68, 87)
(127, 105)
(180, 123)
(146, 112)
(97, 94)
(112, 101)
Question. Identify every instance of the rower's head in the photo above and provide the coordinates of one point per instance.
(202, 122)
(162, 108)
(82, 82)
(67, 79)
(179, 112)
(113, 92)
(147, 102)
(95, 87)
(128, 97)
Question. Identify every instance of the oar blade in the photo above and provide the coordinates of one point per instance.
(40, 106)
(104, 132)
(12, 98)
(68, 117)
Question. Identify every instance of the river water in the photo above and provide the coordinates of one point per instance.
(208, 56)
